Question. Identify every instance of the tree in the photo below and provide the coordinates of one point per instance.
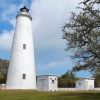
(96, 76)
(3, 70)
(67, 80)
(82, 34)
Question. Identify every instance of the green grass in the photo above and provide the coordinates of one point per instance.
(35, 95)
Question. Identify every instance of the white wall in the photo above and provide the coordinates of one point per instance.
(80, 85)
(53, 86)
(66, 89)
(90, 84)
(43, 83)
(85, 84)
(47, 83)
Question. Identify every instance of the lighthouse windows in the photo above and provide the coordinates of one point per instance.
(24, 46)
(24, 76)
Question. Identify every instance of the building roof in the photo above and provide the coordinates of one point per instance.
(47, 75)
(24, 9)
(84, 79)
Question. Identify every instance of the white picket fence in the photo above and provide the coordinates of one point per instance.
(3, 87)
(66, 89)
(73, 89)
(97, 89)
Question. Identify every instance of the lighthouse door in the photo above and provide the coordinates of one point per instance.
(23, 81)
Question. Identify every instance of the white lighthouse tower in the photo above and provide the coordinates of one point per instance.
(21, 71)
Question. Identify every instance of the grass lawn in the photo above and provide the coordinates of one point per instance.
(35, 95)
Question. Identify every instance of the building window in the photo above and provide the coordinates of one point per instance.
(24, 46)
(24, 76)
(79, 83)
(53, 81)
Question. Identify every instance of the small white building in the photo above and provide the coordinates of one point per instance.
(85, 84)
(47, 83)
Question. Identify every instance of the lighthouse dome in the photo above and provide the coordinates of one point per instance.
(24, 9)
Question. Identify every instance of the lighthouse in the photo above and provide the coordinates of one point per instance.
(21, 70)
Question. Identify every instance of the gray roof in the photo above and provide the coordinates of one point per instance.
(84, 79)
(47, 75)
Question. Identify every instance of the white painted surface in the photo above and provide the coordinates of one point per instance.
(22, 60)
(74, 89)
(2, 86)
(97, 89)
(85, 84)
(66, 89)
(47, 83)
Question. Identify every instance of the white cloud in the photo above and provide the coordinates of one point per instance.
(13, 22)
(6, 36)
(57, 63)
(6, 40)
(9, 12)
(53, 65)
(48, 18)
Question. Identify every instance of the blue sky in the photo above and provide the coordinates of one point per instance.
(48, 18)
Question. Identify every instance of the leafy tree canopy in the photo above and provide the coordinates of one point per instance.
(82, 35)
(3, 70)
(67, 80)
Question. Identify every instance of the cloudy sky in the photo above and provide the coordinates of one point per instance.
(48, 18)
